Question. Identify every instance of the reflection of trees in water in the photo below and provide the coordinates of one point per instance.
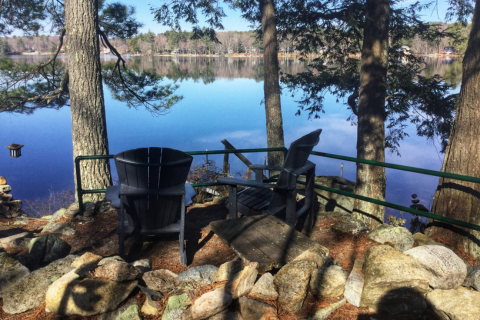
(450, 68)
(207, 69)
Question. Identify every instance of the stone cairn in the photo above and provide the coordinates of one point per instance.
(9, 208)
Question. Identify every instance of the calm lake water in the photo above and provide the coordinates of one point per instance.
(222, 100)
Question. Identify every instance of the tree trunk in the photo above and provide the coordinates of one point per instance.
(371, 180)
(271, 86)
(89, 128)
(454, 198)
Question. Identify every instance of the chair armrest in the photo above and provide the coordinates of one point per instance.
(177, 190)
(246, 183)
(297, 172)
(264, 167)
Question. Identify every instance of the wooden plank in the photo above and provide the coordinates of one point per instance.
(244, 248)
(255, 196)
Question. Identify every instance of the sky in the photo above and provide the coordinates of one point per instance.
(234, 21)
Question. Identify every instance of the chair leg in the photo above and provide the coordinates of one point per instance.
(121, 245)
(183, 252)
(290, 208)
(232, 199)
(310, 197)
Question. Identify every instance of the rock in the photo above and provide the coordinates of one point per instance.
(292, 283)
(423, 240)
(399, 237)
(456, 304)
(144, 265)
(256, 310)
(151, 294)
(354, 285)
(55, 249)
(473, 277)
(325, 312)
(176, 306)
(227, 270)
(72, 210)
(6, 197)
(150, 307)
(227, 314)
(117, 271)
(107, 259)
(446, 269)
(315, 254)
(5, 188)
(62, 228)
(11, 271)
(14, 242)
(329, 280)
(86, 263)
(88, 209)
(264, 289)
(29, 292)
(350, 227)
(131, 313)
(210, 304)
(113, 315)
(394, 282)
(243, 281)
(162, 280)
(14, 206)
(102, 207)
(3, 181)
(58, 215)
(201, 275)
(71, 296)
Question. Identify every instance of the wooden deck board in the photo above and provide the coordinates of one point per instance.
(263, 239)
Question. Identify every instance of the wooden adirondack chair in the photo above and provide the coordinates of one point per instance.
(152, 191)
(267, 198)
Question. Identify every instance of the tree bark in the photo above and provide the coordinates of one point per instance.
(271, 86)
(454, 198)
(371, 180)
(89, 128)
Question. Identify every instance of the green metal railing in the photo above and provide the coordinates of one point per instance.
(460, 223)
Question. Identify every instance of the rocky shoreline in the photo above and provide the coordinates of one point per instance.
(388, 273)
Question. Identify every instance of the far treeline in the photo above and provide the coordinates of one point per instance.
(183, 42)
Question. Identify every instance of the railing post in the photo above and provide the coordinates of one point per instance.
(79, 184)
(341, 170)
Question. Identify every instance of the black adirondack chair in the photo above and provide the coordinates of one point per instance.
(152, 192)
(267, 198)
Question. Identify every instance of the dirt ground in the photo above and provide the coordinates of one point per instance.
(203, 247)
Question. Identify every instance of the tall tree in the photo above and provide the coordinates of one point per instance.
(386, 100)
(50, 84)
(453, 198)
(371, 180)
(258, 12)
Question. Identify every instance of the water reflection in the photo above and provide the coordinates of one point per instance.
(450, 68)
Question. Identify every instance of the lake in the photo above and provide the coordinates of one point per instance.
(222, 100)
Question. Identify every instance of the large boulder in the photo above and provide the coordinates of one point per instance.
(473, 277)
(243, 281)
(71, 296)
(118, 271)
(459, 304)
(199, 276)
(11, 271)
(43, 250)
(264, 289)
(292, 283)
(330, 201)
(317, 254)
(329, 280)
(162, 280)
(29, 292)
(399, 237)
(394, 282)
(446, 269)
(176, 307)
(15, 242)
(256, 310)
(227, 270)
(210, 304)
(354, 285)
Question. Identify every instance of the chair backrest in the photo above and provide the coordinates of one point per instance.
(296, 158)
(152, 169)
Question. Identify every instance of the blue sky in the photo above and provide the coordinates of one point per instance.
(234, 22)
